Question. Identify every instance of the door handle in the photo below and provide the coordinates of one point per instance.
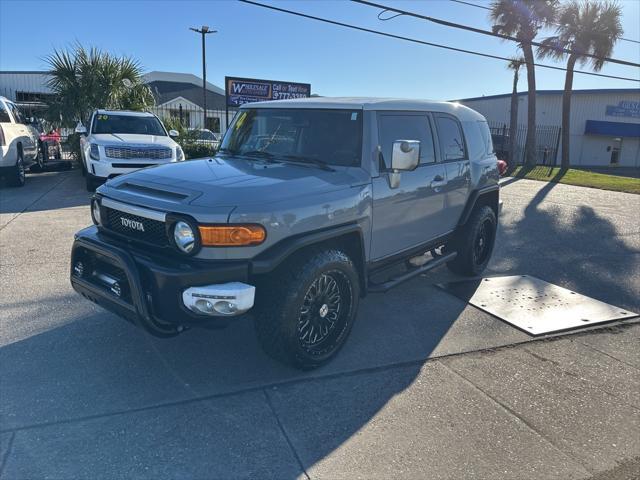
(438, 181)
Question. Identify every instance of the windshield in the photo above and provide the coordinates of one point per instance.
(103, 123)
(206, 135)
(333, 137)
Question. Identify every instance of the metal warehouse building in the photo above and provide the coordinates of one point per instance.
(605, 124)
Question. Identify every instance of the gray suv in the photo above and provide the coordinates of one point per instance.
(309, 205)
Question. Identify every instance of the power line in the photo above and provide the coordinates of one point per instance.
(557, 24)
(447, 23)
(422, 42)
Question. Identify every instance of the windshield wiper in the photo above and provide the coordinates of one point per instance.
(228, 150)
(311, 160)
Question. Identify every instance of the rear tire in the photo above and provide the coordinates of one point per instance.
(474, 243)
(306, 309)
(17, 174)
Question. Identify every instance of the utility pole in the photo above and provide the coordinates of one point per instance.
(204, 31)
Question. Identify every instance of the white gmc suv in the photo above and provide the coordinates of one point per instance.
(18, 144)
(120, 142)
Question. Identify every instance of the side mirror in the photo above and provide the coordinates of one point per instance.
(405, 156)
(173, 133)
(81, 129)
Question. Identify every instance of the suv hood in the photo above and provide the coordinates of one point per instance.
(233, 182)
(132, 139)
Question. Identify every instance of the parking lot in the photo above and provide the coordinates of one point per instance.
(426, 387)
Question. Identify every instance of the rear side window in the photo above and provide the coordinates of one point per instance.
(4, 114)
(486, 138)
(17, 116)
(451, 139)
(392, 127)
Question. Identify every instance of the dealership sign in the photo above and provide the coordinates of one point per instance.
(247, 90)
(626, 108)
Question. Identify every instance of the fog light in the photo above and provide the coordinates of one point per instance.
(225, 299)
(205, 306)
(225, 308)
(78, 269)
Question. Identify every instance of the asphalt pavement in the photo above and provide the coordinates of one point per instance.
(426, 387)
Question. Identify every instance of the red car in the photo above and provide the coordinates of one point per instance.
(502, 167)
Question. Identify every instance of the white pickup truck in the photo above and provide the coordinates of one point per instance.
(120, 142)
(18, 144)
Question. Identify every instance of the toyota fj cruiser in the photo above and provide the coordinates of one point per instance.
(307, 206)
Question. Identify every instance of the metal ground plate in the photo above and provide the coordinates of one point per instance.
(533, 305)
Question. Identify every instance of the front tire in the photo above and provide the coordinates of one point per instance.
(306, 312)
(18, 175)
(474, 243)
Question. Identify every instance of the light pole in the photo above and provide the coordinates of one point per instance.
(204, 31)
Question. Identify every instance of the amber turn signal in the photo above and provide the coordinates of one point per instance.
(231, 235)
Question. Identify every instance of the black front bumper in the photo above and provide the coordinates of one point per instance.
(150, 285)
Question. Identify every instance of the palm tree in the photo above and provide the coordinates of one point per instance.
(514, 65)
(523, 19)
(588, 27)
(82, 80)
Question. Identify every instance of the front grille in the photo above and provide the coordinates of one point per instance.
(136, 227)
(132, 165)
(132, 153)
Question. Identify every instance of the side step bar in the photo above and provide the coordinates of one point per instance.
(431, 264)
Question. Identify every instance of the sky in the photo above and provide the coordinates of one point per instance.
(258, 43)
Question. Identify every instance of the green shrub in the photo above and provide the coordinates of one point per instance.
(198, 150)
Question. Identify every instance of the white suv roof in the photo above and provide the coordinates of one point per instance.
(128, 113)
(372, 103)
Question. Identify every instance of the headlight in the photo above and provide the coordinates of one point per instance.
(94, 152)
(95, 211)
(179, 154)
(184, 236)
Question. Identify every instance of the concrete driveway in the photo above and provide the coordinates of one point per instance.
(426, 387)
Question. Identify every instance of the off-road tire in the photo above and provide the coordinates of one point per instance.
(474, 246)
(282, 297)
(17, 174)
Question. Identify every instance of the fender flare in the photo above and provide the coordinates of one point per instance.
(268, 260)
(473, 199)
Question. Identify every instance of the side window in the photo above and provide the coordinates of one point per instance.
(486, 137)
(4, 114)
(451, 139)
(392, 127)
(17, 116)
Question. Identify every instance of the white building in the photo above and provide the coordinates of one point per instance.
(605, 124)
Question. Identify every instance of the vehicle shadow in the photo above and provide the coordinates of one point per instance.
(579, 249)
(93, 364)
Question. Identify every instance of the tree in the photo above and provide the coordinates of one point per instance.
(587, 27)
(514, 65)
(82, 80)
(523, 19)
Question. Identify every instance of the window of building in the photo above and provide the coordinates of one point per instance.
(392, 127)
(451, 138)
(213, 124)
